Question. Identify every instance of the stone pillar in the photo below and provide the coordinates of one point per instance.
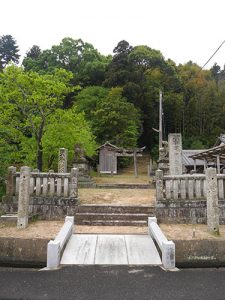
(73, 183)
(24, 196)
(53, 255)
(212, 201)
(159, 185)
(10, 186)
(62, 162)
(168, 254)
(175, 153)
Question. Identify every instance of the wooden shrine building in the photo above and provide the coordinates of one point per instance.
(108, 154)
(215, 155)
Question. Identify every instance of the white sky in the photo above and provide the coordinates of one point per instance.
(182, 30)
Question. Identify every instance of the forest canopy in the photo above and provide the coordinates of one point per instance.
(72, 93)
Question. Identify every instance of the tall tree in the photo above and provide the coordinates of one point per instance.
(8, 50)
(81, 58)
(119, 70)
(28, 100)
(34, 52)
(110, 115)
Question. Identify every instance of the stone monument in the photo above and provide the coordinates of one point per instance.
(81, 163)
(62, 160)
(175, 153)
(163, 162)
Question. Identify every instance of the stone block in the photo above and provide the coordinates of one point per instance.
(168, 254)
(53, 254)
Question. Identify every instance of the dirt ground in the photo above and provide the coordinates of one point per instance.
(117, 196)
(49, 229)
(123, 179)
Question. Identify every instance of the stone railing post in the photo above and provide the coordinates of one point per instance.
(62, 160)
(73, 183)
(159, 185)
(212, 201)
(24, 196)
(10, 186)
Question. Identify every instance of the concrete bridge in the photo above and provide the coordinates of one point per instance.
(110, 249)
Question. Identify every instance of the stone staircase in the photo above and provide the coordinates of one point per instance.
(102, 215)
(110, 215)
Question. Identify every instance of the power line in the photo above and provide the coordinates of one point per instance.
(213, 54)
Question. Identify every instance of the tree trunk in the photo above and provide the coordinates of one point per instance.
(39, 157)
(39, 147)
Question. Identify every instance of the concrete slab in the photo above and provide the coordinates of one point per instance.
(111, 249)
(80, 250)
(141, 250)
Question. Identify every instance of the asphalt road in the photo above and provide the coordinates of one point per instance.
(112, 282)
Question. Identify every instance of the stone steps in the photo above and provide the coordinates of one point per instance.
(112, 223)
(123, 186)
(103, 215)
(93, 208)
(109, 215)
(10, 218)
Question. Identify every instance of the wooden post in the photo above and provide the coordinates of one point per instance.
(218, 164)
(159, 185)
(160, 119)
(112, 164)
(205, 165)
(195, 165)
(135, 164)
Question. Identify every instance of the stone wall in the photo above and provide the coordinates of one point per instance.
(186, 212)
(45, 195)
(189, 253)
(191, 198)
(55, 208)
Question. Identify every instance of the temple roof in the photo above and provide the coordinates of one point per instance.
(212, 154)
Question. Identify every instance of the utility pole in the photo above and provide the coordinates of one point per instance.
(160, 119)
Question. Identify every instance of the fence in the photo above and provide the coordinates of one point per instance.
(185, 187)
(184, 198)
(44, 184)
(44, 195)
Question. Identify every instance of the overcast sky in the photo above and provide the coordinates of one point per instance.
(182, 30)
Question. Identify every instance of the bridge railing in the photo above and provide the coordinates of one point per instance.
(55, 248)
(167, 247)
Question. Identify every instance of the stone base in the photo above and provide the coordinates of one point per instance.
(86, 182)
(55, 208)
(186, 211)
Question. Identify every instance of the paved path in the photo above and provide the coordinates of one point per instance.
(112, 283)
(102, 249)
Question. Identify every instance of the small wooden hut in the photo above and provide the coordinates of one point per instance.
(108, 158)
(108, 154)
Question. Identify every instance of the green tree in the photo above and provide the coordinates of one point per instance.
(65, 129)
(81, 58)
(28, 100)
(111, 116)
(8, 51)
(119, 70)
